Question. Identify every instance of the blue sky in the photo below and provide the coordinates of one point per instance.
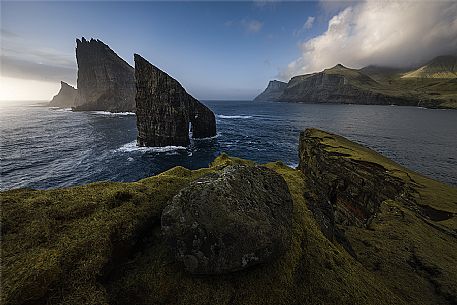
(222, 50)
(217, 50)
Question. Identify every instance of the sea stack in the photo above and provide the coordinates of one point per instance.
(105, 81)
(66, 97)
(164, 109)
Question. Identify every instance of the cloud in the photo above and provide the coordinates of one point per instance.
(250, 26)
(388, 33)
(19, 60)
(306, 26)
(309, 23)
(26, 69)
(266, 3)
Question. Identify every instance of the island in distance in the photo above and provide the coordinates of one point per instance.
(433, 85)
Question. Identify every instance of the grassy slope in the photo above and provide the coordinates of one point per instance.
(100, 243)
(442, 91)
(410, 248)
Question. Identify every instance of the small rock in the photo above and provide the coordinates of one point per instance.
(230, 220)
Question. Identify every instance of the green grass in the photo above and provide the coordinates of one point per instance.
(101, 243)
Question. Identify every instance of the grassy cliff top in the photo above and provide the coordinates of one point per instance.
(101, 244)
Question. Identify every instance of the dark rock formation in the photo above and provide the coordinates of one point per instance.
(164, 109)
(273, 91)
(391, 219)
(345, 191)
(66, 97)
(105, 81)
(229, 221)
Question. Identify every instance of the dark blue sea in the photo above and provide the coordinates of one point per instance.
(48, 148)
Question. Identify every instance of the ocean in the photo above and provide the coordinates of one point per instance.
(43, 148)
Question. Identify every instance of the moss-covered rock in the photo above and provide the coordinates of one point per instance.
(231, 220)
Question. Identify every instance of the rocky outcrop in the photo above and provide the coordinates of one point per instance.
(345, 190)
(387, 217)
(165, 110)
(65, 98)
(229, 221)
(105, 81)
(273, 91)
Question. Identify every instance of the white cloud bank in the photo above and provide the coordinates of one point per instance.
(388, 33)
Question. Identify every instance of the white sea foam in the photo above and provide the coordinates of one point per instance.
(293, 165)
(112, 113)
(221, 116)
(132, 146)
(63, 109)
(204, 139)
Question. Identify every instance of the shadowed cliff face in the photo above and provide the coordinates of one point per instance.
(164, 109)
(398, 224)
(105, 81)
(66, 97)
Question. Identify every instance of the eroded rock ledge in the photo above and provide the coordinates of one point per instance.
(164, 109)
(387, 217)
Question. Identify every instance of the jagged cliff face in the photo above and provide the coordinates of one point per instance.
(105, 81)
(272, 92)
(164, 109)
(66, 97)
(392, 220)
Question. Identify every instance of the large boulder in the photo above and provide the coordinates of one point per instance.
(229, 221)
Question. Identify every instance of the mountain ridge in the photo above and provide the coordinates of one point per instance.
(371, 85)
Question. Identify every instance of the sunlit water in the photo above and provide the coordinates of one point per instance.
(47, 148)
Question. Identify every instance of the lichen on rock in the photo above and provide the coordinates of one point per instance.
(231, 220)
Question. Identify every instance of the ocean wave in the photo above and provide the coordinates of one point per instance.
(132, 146)
(61, 109)
(221, 116)
(112, 113)
(204, 139)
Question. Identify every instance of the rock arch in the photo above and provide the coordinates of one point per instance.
(164, 109)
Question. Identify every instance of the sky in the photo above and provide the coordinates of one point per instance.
(219, 50)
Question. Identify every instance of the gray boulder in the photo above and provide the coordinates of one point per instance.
(231, 220)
